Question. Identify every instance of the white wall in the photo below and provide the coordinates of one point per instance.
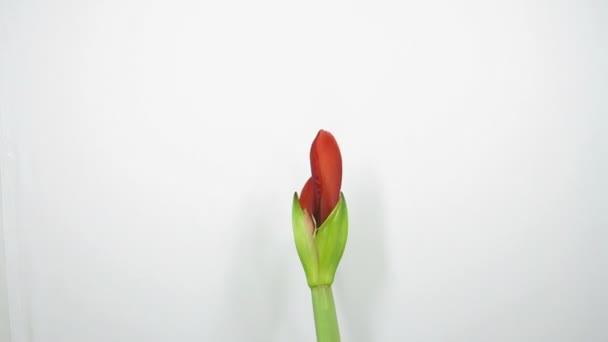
(5, 333)
(150, 151)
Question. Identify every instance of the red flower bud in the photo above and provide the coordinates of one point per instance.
(322, 191)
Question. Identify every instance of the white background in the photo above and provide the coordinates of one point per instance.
(150, 151)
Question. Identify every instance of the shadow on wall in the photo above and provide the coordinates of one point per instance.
(255, 285)
(361, 274)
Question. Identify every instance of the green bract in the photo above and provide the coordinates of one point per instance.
(320, 251)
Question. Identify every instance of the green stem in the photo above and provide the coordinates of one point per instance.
(326, 321)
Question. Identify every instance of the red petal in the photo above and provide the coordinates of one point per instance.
(326, 167)
(308, 201)
(307, 198)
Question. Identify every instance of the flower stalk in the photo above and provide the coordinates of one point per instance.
(326, 320)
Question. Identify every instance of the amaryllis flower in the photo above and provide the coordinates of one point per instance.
(321, 192)
(320, 216)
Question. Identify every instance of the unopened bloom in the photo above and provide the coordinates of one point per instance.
(320, 219)
(322, 190)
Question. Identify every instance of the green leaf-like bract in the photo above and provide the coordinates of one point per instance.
(305, 241)
(331, 240)
(320, 252)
